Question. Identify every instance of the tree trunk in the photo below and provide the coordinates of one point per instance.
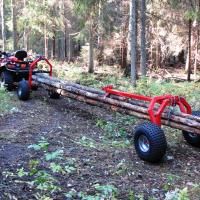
(45, 42)
(54, 46)
(196, 53)
(65, 42)
(14, 25)
(133, 40)
(124, 35)
(70, 48)
(3, 33)
(143, 38)
(45, 35)
(189, 50)
(25, 32)
(91, 50)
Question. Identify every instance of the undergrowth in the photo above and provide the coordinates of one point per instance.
(5, 101)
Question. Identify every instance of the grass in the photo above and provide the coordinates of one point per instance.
(5, 101)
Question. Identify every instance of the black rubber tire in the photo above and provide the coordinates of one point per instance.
(6, 79)
(34, 87)
(155, 139)
(23, 90)
(53, 94)
(191, 138)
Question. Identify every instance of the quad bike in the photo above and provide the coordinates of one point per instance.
(16, 71)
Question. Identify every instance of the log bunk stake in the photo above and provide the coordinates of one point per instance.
(149, 139)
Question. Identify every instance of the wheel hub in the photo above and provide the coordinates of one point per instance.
(144, 144)
(192, 135)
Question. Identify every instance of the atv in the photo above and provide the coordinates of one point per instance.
(16, 70)
(13, 68)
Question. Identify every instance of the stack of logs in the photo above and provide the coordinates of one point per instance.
(116, 103)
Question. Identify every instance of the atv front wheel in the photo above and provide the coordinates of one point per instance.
(6, 79)
(23, 90)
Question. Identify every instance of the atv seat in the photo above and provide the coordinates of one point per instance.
(20, 55)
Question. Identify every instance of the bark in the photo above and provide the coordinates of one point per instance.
(196, 55)
(143, 38)
(133, 41)
(45, 42)
(3, 33)
(25, 33)
(91, 50)
(124, 35)
(14, 24)
(189, 50)
(54, 47)
(45, 36)
(87, 94)
(70, 48)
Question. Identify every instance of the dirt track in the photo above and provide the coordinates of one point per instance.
(63, 123)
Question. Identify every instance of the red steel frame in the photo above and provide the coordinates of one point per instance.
(33, 66)
(163, 101)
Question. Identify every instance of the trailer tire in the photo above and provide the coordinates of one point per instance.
(53, 94)
(150, 142)
(192, 138)
(7, 80)
(23, 90)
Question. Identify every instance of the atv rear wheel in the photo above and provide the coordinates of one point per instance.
(23, 90)
(192, 138)
(150, 142)
(53, 94)
(6, 79)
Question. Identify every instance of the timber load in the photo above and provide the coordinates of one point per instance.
(123, 103)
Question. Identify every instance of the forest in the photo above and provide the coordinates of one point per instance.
(84, 133)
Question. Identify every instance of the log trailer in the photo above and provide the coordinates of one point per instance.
(149, 138)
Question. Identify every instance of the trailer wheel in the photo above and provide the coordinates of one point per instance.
(150, 142)
(6, 79)
(192, 138)
(53, 94)
(23, 90)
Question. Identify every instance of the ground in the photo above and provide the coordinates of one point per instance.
(77, 129)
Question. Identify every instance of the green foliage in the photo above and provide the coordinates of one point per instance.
(42, 173)
(106, 191)
(5, 101)
(41, 145)
(54, 155)
(102, 192)
(45, 182)
(116, 129)
(86, 142)
(178, 195)
(56, 168)
(84, 7)
(21, 172)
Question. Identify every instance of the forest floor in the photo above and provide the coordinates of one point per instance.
(74, 156)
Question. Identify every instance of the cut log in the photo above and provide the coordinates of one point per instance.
(119, 104)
